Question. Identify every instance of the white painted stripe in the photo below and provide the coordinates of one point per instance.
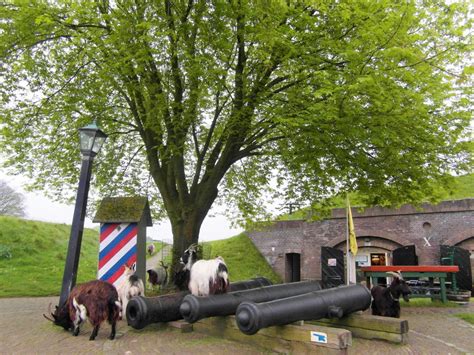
(112, 236)
(131, 243)
(119, 281)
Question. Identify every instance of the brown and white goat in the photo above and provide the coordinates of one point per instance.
(130, 286)
(96, 301)
(207, 277)
(386, 300)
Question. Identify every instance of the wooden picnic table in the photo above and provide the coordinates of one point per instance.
(440, 272)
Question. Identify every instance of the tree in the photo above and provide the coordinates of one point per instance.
(12, 203)
(228, 101)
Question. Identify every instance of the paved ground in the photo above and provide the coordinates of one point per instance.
(23, 330)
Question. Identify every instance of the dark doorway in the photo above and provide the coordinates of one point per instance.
(379, 259)
(293, 267)
(332, 267)
(453, 255)
(405, 256)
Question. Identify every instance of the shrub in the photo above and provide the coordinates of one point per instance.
(5, 252)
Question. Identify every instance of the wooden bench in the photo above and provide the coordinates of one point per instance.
(440, 272)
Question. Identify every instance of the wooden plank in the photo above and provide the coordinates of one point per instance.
(406, 274)
(184, 326)
(288, 338)
(373, 334)
(369, 322)
(413, 268)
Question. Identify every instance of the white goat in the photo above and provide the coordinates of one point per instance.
(207, 277)
(130, 286)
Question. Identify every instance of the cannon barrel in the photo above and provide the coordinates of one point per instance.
(328, 303)
(194, 308)
(142, 311)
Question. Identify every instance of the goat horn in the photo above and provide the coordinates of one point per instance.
(49, 311)
(396, 274)
(48, 318)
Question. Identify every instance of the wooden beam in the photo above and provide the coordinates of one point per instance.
(411, 268)
(307, 338)
(370, 327)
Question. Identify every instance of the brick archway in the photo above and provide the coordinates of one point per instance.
(459, 238)
(376, 242)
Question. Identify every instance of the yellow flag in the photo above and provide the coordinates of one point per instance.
(352, 237)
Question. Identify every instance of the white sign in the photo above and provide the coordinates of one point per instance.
(427, 241)
(317, 337)
(332, 262)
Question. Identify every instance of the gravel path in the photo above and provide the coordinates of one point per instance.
(23, 330)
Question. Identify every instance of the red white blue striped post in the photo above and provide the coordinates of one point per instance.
(118, 246)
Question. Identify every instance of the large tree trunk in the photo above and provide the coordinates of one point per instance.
(185, 233)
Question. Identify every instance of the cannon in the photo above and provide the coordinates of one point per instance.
(328, 303)
(142, 311)
(194, 308)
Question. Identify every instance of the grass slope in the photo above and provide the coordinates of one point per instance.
(33, 254)
(37, 257)
(242, 258)
(462, 187)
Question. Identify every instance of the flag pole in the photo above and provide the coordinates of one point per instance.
(348, 257)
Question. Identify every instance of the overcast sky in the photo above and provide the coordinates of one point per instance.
(40, 208)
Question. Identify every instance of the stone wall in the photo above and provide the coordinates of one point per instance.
(377, 229)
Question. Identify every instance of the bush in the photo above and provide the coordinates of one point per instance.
(5, 252)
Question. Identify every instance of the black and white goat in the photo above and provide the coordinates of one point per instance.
(158, 276)
(96, 301)
(206, 277)
(386, 300)
(130, 286)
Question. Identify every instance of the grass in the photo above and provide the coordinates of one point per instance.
(37, 254)
(462, 187)
(468, 317)
(158, 246)
(427, 302)
(243, 259)
(33, 255)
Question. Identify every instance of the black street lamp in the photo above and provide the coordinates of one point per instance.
(91, 139)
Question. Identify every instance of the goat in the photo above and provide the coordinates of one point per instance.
(94, 300)
(181, 278)
(151, 249)
(130, 286)
(207, 277)
(386, 299)
(158, 276)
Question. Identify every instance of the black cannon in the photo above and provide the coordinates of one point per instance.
(142, 311)
(194, 308)
(328, 303)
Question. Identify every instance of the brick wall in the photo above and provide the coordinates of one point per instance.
(450, 223)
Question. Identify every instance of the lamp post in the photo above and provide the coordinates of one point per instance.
(91, 139)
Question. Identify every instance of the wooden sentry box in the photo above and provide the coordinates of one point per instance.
(123, 222)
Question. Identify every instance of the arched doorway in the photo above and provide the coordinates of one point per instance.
(371, 251)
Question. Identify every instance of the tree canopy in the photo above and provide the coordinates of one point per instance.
(232, 101)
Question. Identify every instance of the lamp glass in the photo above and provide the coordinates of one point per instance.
(98, 142)
(92, 139)
(87, 140)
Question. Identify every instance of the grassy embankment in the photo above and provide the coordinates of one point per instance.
(33, 254)
(462, 187)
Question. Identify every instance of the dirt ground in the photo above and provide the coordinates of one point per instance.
(23, 330)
